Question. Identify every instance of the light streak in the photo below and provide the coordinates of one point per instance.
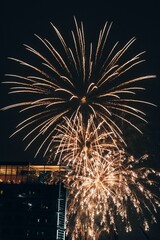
(77, 78)
(112, 193)
(75, 99)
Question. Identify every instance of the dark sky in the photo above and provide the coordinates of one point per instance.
(21, 19)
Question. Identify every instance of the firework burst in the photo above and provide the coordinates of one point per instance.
(107, 186)
(101, 199)
(85, 78)
(75, 102)
(78, 144)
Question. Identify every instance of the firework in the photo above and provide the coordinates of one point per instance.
(110, 193)
(76, 98)
(82, 78)
(106, 184)
(78, 144)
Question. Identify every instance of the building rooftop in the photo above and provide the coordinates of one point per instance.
(24, 172)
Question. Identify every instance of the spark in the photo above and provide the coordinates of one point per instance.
(78, 143)
(79, 77)
(75, 100)
(107, 186)
(102, 198)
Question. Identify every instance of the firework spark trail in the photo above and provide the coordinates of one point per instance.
(76, 100)
(84, 78)
(107, 191)
(79, 143)
(106, 184)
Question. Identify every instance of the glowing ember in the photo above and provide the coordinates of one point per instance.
(84, 78)
(101, 199)
(76, 101)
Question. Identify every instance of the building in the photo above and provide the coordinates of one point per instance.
(32, 206)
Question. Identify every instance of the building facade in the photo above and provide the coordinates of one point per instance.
(32, 205)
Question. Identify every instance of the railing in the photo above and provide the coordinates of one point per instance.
(61, 214)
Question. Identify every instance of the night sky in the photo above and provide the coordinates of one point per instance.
(21, 19)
